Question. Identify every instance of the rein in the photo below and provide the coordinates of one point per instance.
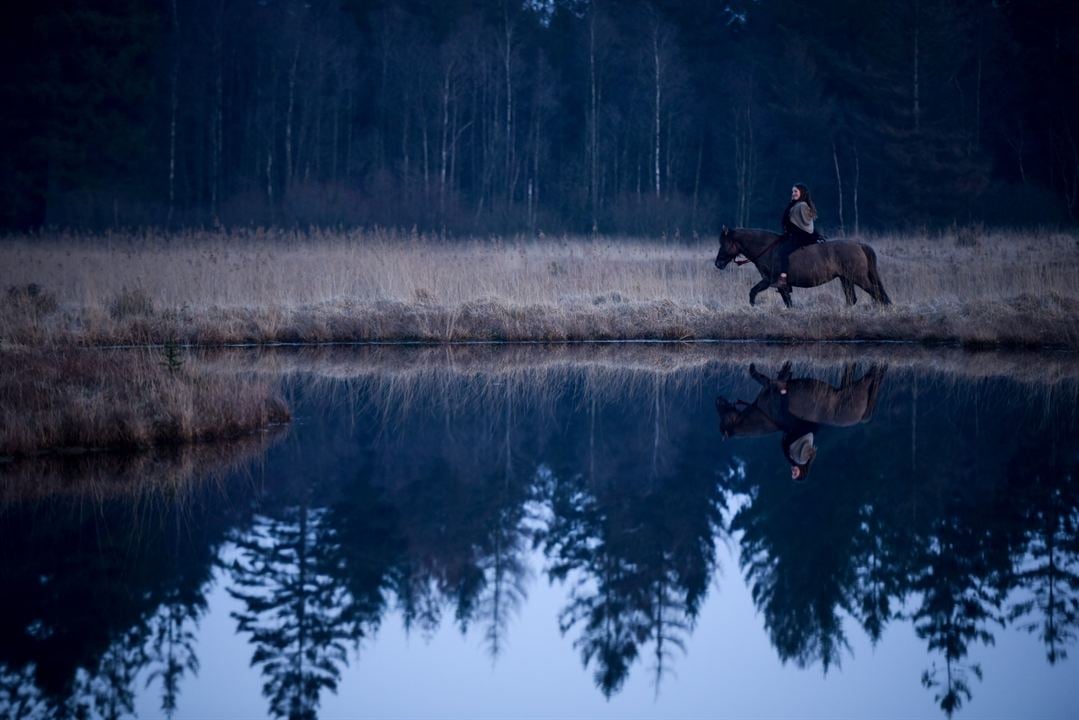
(761, 254)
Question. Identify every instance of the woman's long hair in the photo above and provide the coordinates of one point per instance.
(804, 197)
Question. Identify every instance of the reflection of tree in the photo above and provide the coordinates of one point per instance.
(959, 583)
(796, 551)
(362, 535)
(109, 688)
(464, 539)
(954, 537)
(577, 540)
(171, 651)
(880, 570)
(19, 694)
(106, 588)
(172, 648)
(639, 563)
(293, 608)
(504, 575)
(1050, 570)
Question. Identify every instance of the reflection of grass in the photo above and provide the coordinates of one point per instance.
(261, 286)
(90, 399)
(541, 365)
(173, 473)
(395, 381)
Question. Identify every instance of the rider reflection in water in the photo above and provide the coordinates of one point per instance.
(797, 408)
(797, 440)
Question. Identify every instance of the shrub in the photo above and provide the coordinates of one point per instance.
(130, 303)
(32, 299)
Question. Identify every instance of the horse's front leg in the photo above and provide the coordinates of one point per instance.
(758, 289)
(786, 296)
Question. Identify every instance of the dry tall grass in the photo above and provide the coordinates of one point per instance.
(81, 399)
(272, 286)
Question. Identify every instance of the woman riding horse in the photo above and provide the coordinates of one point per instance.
(798, 232)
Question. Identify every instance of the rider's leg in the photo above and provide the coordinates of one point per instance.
(779, 273)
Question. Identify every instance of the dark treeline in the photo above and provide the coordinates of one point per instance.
(555, 115)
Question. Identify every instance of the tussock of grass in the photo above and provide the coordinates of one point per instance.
(215, 288)
(78, 400)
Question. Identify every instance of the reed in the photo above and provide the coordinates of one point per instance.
(78, 400)
(260, 286)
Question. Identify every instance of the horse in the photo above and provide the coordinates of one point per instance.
(853, 263)
(814, 401)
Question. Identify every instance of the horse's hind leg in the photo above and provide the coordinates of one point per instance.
(848, 291)
(872, 291)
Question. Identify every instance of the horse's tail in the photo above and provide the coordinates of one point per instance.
(878, 292)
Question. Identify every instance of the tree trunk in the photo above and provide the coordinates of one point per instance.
(444, 152)
(219, 121)
(658, 99)
(697, 184)
(593, 124)
(426, 154)
(838, 185)
(173, 108)
(857, 178)
(917, 99)
(507, 59)
(348, 133)
(288, 114)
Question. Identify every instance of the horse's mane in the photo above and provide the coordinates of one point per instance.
(754, 231)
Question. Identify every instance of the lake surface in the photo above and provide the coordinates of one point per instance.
(568, 532)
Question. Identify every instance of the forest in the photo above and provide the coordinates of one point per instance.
(538, 116)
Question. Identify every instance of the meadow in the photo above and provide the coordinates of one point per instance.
(968, 287)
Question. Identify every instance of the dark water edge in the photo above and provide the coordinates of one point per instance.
(566, 531)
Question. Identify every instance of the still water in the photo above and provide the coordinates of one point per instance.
(568, 532)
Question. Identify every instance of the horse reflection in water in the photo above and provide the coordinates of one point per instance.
(798, 407)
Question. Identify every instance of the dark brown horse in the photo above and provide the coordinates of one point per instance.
(853, 263)
(807, 399)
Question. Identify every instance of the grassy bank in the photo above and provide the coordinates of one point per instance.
(215, 288)
(78, 400)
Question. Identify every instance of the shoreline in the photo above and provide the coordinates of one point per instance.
(1049, 323)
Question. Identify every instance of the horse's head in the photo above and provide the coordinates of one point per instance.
(729, 248)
